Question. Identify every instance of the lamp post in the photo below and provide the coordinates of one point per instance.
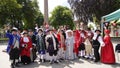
(45, 11)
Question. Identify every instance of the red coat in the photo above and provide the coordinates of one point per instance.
(61, 40)
(77, 41)
(89, 35)
(107, 52)
(58, 37)
(25, 51)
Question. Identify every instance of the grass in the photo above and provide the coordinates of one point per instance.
(3, 39)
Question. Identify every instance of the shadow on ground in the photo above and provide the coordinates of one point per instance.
(47, 64)
(117, 65)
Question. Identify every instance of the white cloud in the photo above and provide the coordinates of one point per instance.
(52, 4)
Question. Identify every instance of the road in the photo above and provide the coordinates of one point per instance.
(79, 63)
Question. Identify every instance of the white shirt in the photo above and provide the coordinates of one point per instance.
(99, 39)
(25, 39)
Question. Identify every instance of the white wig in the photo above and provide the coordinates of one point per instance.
(68, 32)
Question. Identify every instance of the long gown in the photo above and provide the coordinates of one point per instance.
(77, 41)
(107, 52)
(25, 51)
(69, 48)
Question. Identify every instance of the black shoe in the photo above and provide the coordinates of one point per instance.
(82, 57)
(96, 60)
(25, 63)
(79, 57)
(87, 58)
(12, 65)
(4, 50)
(44, 60)
(56, 62)
(51, 62)
(61, 59)
(17, 65)
(91, 59)
(40, 60)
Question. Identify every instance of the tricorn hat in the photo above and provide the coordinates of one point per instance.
(14, 29)
(98, 30)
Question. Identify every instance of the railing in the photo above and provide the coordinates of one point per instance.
(3, 38)
(2, 35)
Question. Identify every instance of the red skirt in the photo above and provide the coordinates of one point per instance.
(107, 54)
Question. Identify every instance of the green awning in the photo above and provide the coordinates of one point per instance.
(112, 16)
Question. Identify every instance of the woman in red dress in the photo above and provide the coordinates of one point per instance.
(26, 46)
(107, 51)
(77, 41)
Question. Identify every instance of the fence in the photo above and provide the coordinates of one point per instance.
(2, 35)
(3, 38)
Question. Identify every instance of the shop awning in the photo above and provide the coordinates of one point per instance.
(112, 16)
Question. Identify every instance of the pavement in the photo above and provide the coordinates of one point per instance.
(78, 63)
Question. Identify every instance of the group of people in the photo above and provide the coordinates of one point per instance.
(56, 45)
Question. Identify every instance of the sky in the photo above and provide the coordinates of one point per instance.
(52, 4)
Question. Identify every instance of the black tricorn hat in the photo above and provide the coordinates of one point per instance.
(98, 30)
(40, 29)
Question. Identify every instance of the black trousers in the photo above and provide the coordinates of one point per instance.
(34, 50)
(54, 52)
(14, 53)
(96, 52)
(25, 59)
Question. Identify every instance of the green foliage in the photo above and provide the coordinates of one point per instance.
(3, 39)
(17, 12)
(61, 16)
(40, 19)
(8, 10)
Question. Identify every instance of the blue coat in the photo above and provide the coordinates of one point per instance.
(11, 40)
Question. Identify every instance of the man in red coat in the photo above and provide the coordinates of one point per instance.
(82, 45)
(26, 46)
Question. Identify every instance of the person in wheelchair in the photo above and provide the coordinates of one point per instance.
(117, 48)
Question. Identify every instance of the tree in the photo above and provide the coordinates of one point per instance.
(19, 13)
(61, 16)
(85, 10)
(40, 19)
(9, 11)
(30, 12)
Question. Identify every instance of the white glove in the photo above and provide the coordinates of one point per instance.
(30, 49)
(34, 44)
(103, 45)
(23, 45)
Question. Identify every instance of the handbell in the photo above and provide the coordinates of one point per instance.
(25, 45)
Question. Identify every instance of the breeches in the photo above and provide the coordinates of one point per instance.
(53, 53)
(88, 49)
(14, 53)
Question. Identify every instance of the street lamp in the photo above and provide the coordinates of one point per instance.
(46, 11)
